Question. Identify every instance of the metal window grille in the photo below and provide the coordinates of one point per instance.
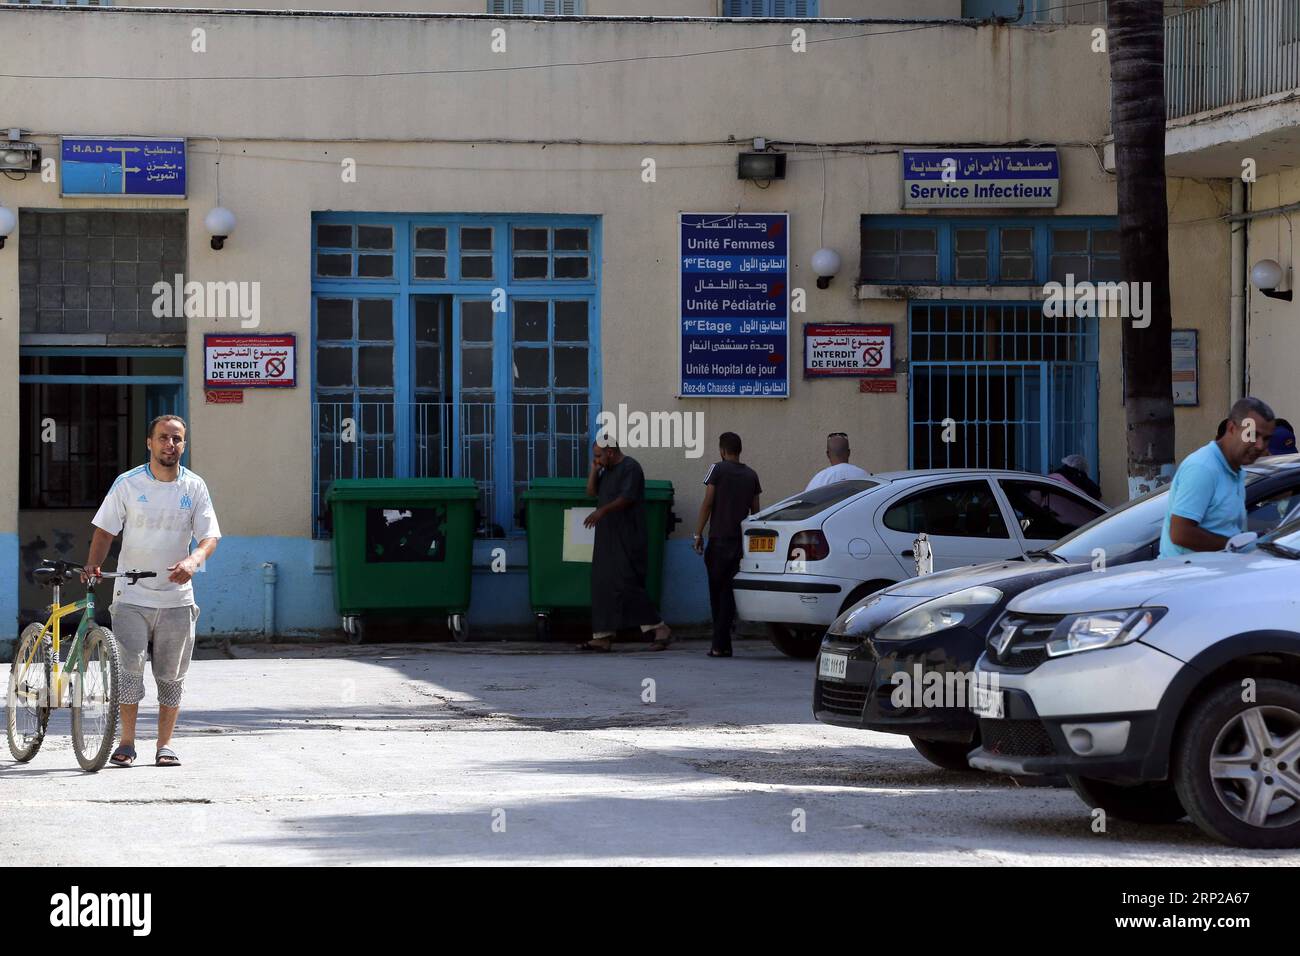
(1232, 51)
(1000, 386)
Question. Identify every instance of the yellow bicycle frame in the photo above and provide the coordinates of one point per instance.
(58, 674)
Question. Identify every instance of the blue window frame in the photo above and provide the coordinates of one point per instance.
(543, 8)
(1033, 11)
(795, 9)
(463, 345)
(964, 250)
(1016, 389)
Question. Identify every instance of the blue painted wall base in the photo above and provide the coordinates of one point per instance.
(230, 592)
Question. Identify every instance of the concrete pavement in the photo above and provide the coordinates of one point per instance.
(525, 753)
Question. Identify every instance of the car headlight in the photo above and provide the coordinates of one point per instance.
(1091, 632)
(848, 622)
(968, 604)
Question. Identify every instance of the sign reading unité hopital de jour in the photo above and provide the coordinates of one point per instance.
(249, 361)
(122, 166)
(954, 178)
(735, 305)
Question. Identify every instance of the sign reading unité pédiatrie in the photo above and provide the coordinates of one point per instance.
(122, 166)
(954, 178)
(735, 304)
(248, 361)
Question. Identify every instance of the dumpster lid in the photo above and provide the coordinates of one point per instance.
(402, 489)
(566, 489)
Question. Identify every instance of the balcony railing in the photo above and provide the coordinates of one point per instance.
(1229, 52)
(502, 446)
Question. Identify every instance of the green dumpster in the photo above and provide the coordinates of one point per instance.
(402, 546)
(559, 570)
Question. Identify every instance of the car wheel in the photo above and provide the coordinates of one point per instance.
(1237, 765)
(798, 642)
(1154, 802)
(945, 753)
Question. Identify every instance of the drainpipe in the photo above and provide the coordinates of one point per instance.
(1237, 309)
(268, 600)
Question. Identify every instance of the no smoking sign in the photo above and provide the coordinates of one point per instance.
(249, 361)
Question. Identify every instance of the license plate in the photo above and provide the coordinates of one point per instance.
(833, 665)
(762, 542)
(987, 702)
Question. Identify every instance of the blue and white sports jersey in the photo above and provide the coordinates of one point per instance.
(157, 521)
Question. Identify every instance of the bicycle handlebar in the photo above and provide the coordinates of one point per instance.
(67, 570)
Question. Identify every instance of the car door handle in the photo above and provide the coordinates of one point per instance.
(909, 553)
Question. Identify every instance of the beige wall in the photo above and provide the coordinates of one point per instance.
(1273, 325)
(862, 9)
(838, 95)
(1200, 276)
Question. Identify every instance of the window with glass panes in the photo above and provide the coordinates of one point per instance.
(456, 345)
(544, 8)
(916, 250)
(770, 8)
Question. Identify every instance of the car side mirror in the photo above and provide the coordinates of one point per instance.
(1239, 542)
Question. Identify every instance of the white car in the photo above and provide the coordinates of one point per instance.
(808, 558)
(1161, 689)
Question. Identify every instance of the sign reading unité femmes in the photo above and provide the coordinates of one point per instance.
(735, 304)
(955, 178)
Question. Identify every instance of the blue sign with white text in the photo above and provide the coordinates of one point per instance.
(957, 178)
(735, 304)
(123, 166)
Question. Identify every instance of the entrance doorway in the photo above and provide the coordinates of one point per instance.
(83, 415)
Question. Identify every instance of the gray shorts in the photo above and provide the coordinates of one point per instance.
(172, 631)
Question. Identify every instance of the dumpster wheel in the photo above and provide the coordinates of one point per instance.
(459, 627)
(543, 627)
(355, 628)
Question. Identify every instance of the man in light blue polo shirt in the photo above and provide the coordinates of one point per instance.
(1207, 500)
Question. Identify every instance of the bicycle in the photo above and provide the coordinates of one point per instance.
(87, 683)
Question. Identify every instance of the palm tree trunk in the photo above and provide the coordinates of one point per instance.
(1135, 40)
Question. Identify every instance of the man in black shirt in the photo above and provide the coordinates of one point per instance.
(730, 496)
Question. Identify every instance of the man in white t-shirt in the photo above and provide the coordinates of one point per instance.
(158, 509)
(839, 469)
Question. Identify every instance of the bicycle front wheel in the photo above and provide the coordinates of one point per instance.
(27, 713)
(95, 698)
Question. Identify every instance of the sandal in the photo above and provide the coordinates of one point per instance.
(166, 757)
(593, 647)
(661, 643)
(123, 756)
(713, 653)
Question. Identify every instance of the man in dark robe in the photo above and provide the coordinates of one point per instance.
(621, 553)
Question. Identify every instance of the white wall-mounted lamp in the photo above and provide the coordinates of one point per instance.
(8, 222)
(1266, 275)
(219, 223)
(826, 263)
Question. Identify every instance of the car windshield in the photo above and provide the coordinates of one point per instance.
(1130, 526)
(1286, 534)
(813, 502)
